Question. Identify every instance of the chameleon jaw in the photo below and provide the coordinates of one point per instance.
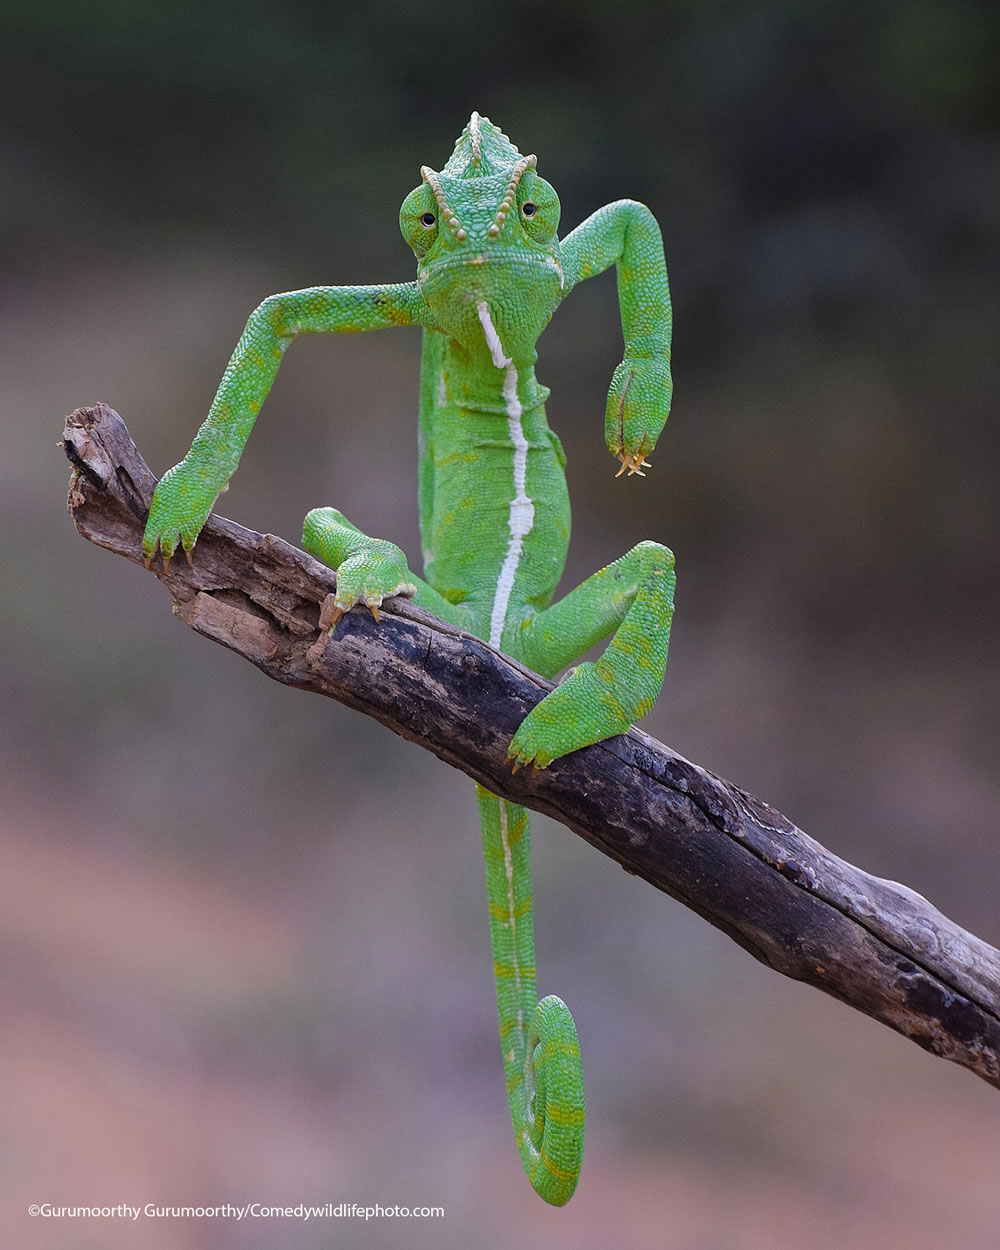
(633, 463)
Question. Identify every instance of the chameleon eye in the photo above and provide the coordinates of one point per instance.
(427, 219)
(528, 208)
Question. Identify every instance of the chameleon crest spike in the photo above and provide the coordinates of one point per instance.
(481, 150)
(494, 520)
(476, 138)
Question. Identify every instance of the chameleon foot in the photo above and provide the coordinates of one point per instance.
(368, 579)
(581, 710)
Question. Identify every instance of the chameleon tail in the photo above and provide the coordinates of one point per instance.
(541, 1053)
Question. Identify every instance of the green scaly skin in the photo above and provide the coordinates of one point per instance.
(494, 518)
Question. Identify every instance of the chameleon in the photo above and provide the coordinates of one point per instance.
(494, 520)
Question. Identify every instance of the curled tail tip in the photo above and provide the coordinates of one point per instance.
(557, 1140)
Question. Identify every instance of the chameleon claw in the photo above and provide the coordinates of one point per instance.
(166, 563)
(148, 562)
(374, 611)
(633, 462)
(189, 556)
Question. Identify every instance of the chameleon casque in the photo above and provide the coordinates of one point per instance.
(494, 520)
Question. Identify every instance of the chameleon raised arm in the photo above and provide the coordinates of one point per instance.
(185, 495)
(494, 521)
(626, 234)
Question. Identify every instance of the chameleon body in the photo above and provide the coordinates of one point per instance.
(494, 519)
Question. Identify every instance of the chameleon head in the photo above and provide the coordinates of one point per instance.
(483, 230)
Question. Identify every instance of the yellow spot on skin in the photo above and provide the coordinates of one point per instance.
(505, 971)
(501, 913)
(617, 711)
(555, 1046)
(561, 1174)
(559, 1114)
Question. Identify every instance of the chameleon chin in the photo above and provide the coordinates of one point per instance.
(494, 520)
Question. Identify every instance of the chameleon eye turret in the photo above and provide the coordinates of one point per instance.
(494, 520)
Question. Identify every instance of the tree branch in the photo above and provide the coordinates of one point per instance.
(876, 945)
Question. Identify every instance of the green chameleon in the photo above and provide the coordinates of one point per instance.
(494, 520)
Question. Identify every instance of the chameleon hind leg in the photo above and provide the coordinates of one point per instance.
(541, 1053)
(634, 597)
(368, 569)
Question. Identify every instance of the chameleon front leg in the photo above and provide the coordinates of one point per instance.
(185, 495)
(625, 234)
(368, 569)
(634, 597)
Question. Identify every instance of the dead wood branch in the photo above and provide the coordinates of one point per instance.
(876, 945)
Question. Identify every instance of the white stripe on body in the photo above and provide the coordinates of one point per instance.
(522, 510)
(500, 357)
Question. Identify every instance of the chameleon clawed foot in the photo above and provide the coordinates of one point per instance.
(355, 589)
(166, 554)
(584, 708)
(371, 602)
(516, 763)
(340, 610)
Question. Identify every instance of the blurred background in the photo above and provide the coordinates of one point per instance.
(244, 932)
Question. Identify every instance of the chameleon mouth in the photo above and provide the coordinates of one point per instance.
(492, 258)
(482, 261)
